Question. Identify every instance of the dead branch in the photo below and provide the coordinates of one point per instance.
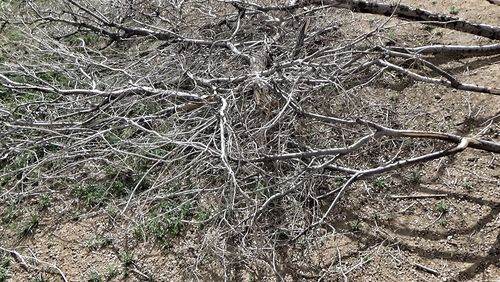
(452, 50)
(258, 117)
(23, 261)
(397, 10)
(420, 196)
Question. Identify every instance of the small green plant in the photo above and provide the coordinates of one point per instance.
(379, 184)
(328, 89)
(4, 267)
(40, 278)
(53, 77)
(383, 216)
(201, 215)
(11, 213)
(4, 274)
(443, 222)
(442, 207)
(44, 202)
(428, 28)
(139, 233)
(415, 177)
(95, 276)
(468, 185)
(4, 261)
(97, 244)
(112, 212)
(391, 34)
(161, 228)
(122, 184)
(394, 98)
(92, 195)
(111, 272)
(454, 10)
(29, 226)
(166, 222)
(355, 225)
(127, 259)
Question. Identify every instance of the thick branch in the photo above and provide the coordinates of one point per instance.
(401, 11)
(453, 83)
(452, 50)
(414, 14)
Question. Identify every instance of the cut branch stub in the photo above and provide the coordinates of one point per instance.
(261, 89)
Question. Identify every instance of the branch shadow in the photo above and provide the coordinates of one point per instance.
(479, 262)
(473, 65)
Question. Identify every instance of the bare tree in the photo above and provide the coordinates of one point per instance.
(251, 118)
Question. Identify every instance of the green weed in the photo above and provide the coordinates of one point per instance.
(11, 213)
(415, 177)
(379, 184)
(4, 267)
(29, 226)
(54, 78)
(468, 185)
(112, 271)
(201, 215)
(44, 202)
(355, 225)
(95, 276)
(40, 278)
(164, 223)
(383, 216)
(98, 244)
(127, 259)
(139, 233)
(4, 274)
(443, 222)
(92, 195)
(454, 10)
(442, 207)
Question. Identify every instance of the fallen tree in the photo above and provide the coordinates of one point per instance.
(243, 112)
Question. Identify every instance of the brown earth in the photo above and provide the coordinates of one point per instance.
(453, 237)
